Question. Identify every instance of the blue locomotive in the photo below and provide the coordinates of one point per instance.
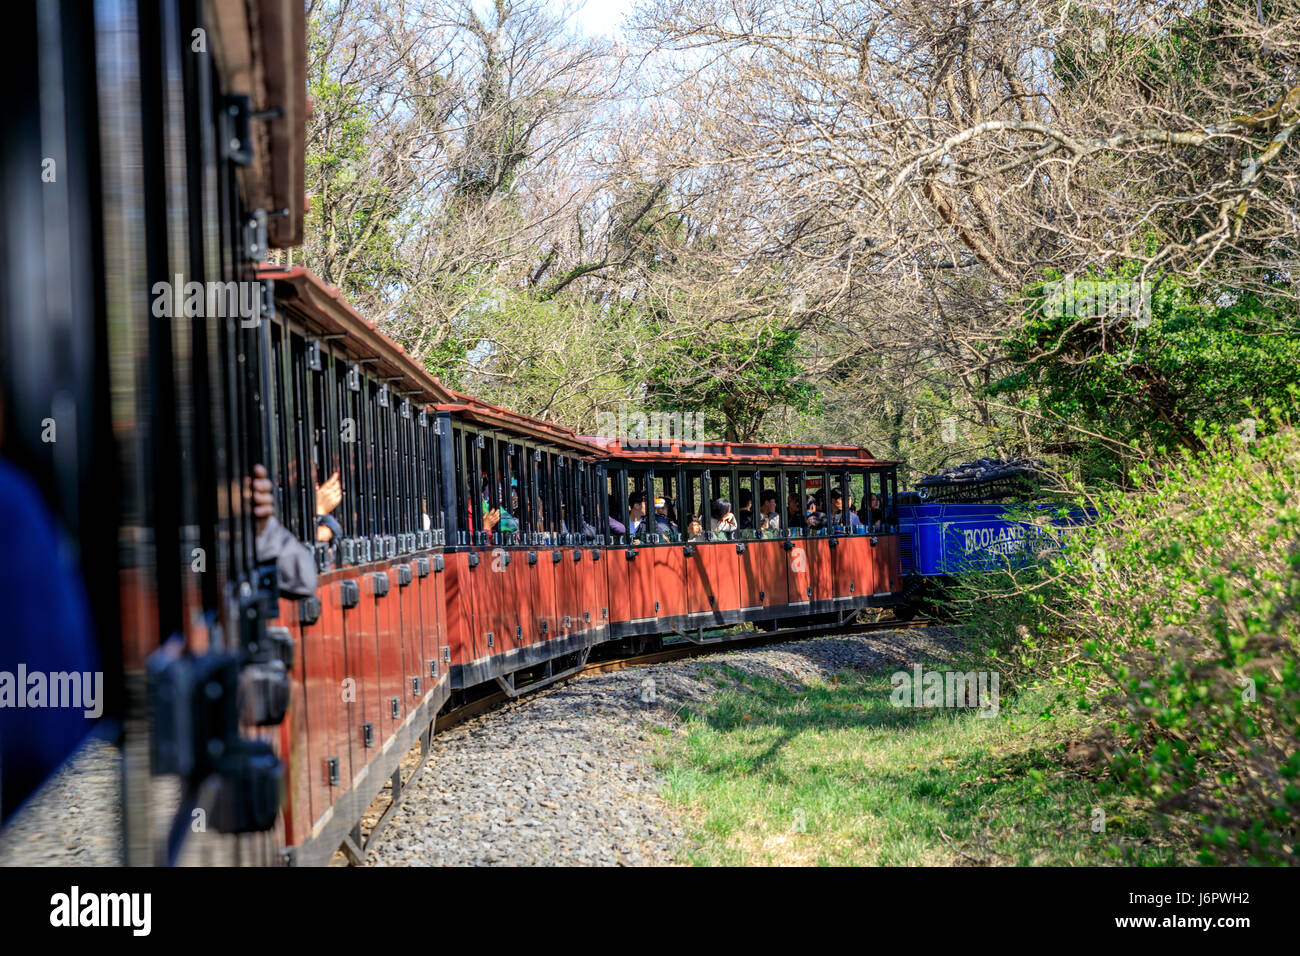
(960, 523)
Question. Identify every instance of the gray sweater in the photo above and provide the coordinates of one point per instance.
(294, 561)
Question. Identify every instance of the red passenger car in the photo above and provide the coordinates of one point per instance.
(785, 532)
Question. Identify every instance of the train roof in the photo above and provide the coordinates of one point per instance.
(261, 49)
(321, 307)
(737, 453)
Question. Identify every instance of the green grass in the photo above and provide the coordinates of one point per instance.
(834, 774)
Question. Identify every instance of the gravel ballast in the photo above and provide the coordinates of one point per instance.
(566, 776)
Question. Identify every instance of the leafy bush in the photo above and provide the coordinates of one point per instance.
(1177, 617)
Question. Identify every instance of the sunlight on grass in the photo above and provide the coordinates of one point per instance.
(835, 774)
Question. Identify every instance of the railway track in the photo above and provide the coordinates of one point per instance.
(354, 851)
(677, 651)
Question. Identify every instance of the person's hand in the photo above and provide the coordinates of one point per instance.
(323, 533)
(329, 495)
(491, 519)
(263, 497)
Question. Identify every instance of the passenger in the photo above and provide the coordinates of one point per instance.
(877, 515)
(328, 497)
(723, 522)
(663, 523)
(502, 518)
(539, 523)
(769, 521)
(48, 630)
(842, 516)
(295, 563)
(745, 517)
(815, 520)
(588, 529)
(794, 514)
(636, 512)
(695, 529)
(615, 526)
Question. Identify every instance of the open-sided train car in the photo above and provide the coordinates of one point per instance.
(373, 662)
(662, 580)
(527, 596)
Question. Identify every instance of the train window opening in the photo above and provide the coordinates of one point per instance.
(796, 503)
(745, 506)
(871, 506)
(303, 436)
(855, 496)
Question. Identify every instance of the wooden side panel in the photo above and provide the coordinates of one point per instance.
(670, 579)
(617, 584)
(798, 579)
(641, 584)
(294, 732)
(821, 568)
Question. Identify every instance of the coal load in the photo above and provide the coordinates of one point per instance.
(985, 479)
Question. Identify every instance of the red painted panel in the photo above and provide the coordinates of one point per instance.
(412, 637)
(821, 568)
(479, 589)
(568, 601)
(769, 559)
(853, 573)
(749, 569)
(889, 579)
(670, 583)
(589, 570)
(617, 585)
(543, 581)
(523, 575)
(440, 616)
(722, 575)
(388, 642)
(458, 599)
(697, 579)
(344, 742)
(492, 578)
(426, 590)
(798, 579)
(362, 646)
(641, 584)
(294, 747)
(601, 611)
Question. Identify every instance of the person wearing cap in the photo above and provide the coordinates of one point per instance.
(663, 524)
(838, 513)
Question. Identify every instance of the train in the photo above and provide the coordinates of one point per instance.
(943, 543)
(470, 546)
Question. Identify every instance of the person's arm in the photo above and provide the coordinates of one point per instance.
(294, 562)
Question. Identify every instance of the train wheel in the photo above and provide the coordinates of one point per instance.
(905, 612)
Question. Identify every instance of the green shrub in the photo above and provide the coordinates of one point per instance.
(1177, 617)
